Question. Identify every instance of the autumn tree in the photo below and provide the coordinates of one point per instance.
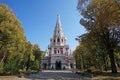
(11, 33)
(38, 57)
(94, 55)
(16, 53)
(32, 57)
(85, 55)
(101, 20)
(12, 37)
(77, 55)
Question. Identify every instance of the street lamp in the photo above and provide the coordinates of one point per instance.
(82, 66)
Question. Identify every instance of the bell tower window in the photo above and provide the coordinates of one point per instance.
(62, 40)
(61, 50)
(58, 40)
(54, 40)
(55, 51)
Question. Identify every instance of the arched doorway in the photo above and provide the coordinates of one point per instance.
(58, 65)
(44, 66)
(71, 65)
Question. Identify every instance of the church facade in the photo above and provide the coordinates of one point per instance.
(58, 55)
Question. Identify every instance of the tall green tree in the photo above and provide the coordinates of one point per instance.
(85, 56)
(38, 57)
(77, 54)
(12, 40)
(28, 57)
(12, 35)
(101, 20)
(16, 53)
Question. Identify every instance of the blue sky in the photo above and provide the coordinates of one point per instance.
(38, 18)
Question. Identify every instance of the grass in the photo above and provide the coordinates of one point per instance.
(106, 76)
(98, 75)
(4, 77)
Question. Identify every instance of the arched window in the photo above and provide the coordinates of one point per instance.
(61, 50)
(58, 51)
(54, 40)
(55, 50)
(58, 40)
(62, 40)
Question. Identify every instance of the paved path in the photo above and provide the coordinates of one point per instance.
(56, 75)
(51, 75)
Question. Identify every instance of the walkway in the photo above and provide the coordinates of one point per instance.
(56, 75)
(50, 75)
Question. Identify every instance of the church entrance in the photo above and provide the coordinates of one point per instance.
(58, 65)
(44, 66)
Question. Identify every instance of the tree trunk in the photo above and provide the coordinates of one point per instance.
(4, 55)
(105, 62)
(28, 63)
(112, 61)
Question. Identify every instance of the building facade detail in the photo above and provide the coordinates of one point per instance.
(58, 54)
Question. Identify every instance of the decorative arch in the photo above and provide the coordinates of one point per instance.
(58, 65)
(58, 39)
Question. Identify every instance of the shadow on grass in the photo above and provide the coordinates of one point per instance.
(102, 75)
(96, 74)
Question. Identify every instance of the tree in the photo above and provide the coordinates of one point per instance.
(1, 68)
(12, 36)
(28, 56)
(12, 66)
(16, 53)
(12, 40)
(101, 20)
(77, 57)
(82, 4)
(96, 55)
(85, 57)
(32, 57)
(38, 56)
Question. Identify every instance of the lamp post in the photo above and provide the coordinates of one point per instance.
(82, 66)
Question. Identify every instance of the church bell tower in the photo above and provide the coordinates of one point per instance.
(58, 38)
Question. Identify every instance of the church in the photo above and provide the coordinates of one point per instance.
(58, 55)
